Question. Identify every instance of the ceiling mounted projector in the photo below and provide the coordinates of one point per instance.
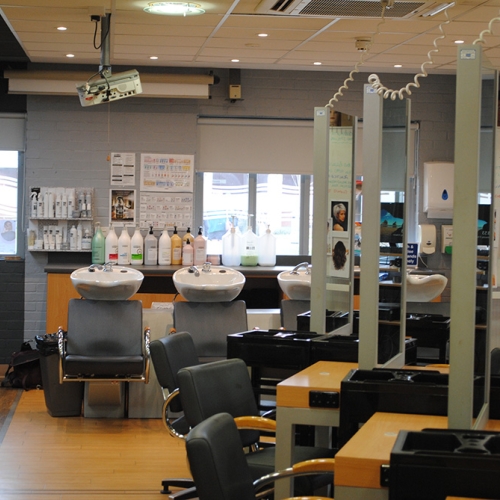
(110, 88)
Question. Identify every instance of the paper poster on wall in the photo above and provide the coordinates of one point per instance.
(167, 172)
(160, 210)
(122, 207)
(339, 263)
(8, 236)
(340, 218)
(122, 169)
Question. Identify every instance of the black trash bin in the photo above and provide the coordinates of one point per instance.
(62, 400)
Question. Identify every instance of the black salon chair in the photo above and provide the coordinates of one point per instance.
(209, 323)
(225, 386)
(220, 469)
(169, 354)
(105, 341)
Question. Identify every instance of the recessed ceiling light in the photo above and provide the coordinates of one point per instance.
(398, 65)
(317, 63)
(153, 57)
(262, 35)
(62, 28)
(458, 42)
(70, 55)
(235, 60)
(174, 8)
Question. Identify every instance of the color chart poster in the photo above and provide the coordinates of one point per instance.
(167, 173)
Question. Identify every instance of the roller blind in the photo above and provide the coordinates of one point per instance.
(255, 145)
(12, 131)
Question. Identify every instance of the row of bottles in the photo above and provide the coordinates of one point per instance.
(248, 249)
(60, 203)
(150, 251)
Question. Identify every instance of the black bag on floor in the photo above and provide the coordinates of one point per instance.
(24, 369)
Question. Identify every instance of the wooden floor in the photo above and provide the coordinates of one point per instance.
(46, 458)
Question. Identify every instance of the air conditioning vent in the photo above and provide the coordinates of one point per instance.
(341, 8)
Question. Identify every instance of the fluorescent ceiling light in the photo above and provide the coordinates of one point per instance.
(438, 9)
(174, 8)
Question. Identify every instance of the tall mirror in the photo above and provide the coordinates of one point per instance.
(383, 231)
(473, 286)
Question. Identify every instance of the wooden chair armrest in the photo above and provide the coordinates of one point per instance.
(255, 423)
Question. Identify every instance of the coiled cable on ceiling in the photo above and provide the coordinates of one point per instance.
(487, 31)
(385, 5)
(375, 82)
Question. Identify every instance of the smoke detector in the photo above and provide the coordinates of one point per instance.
(363, 44)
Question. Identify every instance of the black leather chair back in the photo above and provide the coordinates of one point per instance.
(217, 460)
(169, 354)
(218, 387)
(209, 323)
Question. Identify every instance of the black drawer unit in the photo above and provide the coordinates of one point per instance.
(437, 463)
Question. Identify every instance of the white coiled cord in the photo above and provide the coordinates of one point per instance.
(487, 31)
(375, 82)
(350, 78)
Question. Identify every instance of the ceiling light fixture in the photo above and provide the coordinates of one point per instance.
(398, 65)
(61, 28)
(458, 42)
(438, 9)
(153, 57)
(262, 35)
(70, 55)
(174, 8)
(317, 63)
(235, 60)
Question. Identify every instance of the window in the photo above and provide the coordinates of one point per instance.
(273, 199)
(9, 207)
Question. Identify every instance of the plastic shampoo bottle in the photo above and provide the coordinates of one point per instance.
(176, 244)
(150, 249)
(111, 247)
(231, 247)
(164, 249)
(267, 249)
(187, 254)
(98, 245)
(137, 248)
(124, 248)
(200, 249)
(249, 255)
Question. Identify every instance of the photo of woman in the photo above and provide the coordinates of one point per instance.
(340, 252)
(339, 216)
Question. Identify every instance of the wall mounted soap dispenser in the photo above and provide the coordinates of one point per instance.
(438, 189)
(427, 238)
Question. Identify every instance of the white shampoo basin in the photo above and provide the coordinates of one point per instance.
(424, 288)
(296, 286)
(106, 282)
(208, 283)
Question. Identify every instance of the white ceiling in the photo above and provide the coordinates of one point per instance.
(229, 30)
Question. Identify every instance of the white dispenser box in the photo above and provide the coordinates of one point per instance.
(438, 189)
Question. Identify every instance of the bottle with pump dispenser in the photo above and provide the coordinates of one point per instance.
(98, 244)
(137, 248)
(150, 249)
(164, 248)
(231, 247)
(124, 248)
(249, 252)
(111, 246)
(176, 246)
(34, 205)
(267, 249)
(187, 254)
(187, 236)
(200, 249)
(79, 236)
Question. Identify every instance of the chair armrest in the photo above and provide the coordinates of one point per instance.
(308, 467)
(164, 415)
(255, 423)
(147, 342)
(61, 342)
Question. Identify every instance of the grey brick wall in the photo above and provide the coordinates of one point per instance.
(68, 145)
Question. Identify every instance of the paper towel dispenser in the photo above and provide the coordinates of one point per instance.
(438, 189)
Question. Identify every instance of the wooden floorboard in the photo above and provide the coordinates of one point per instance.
(62, 458)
